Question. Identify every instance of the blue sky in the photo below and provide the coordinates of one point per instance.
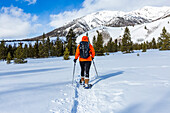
(44, 6)
(29, 18)
(41, 8)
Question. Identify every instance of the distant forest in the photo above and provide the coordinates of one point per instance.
(46, 48)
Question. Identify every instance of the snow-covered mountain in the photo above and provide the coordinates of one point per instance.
(120, 19)
(139, 33)
(152, 13)
(111, 19)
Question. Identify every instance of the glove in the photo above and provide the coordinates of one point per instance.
(75, 60)
(92, 58)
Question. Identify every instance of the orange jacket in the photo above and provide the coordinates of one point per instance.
(92, 52)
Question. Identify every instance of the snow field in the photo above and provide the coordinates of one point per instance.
(127, 83)
(137, 82)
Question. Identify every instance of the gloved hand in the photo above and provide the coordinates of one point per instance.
(92, 58)
(75, 60)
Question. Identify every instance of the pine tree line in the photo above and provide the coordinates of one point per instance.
(47, 48)
(41, 49)
(98, 44)
(127, 46)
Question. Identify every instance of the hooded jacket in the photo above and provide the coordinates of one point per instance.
(92, 52)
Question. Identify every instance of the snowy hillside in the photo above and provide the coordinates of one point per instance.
(127, 83)
(138, 33)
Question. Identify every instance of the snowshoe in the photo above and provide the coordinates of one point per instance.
(88, 86)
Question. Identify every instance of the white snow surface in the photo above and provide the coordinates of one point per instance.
(127, 83)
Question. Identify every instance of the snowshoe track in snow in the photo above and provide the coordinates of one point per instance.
(86, 101)
(75, 102)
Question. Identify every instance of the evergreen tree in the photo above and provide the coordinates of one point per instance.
(52, 49)
(52, 46)
(159, 43)
(140, 46)
(147, 44)
(66, 54)
(94, 43)
(41, 50)
(154, 45)
(3, 54)
(71, 41)
(19, 55)
(45, 49)
(150, 45)
(59, 47)
(26, 51)
(36, 50)
(99, 45)
(47, 46)
(119, 46)
(145, 27)
(130, 46)
(11, 50)
(144, 47)
(9, 58)
(105, 48)
(110, 46)
(127, 45)
(30, 51)
(63, 48)
(164, 40)
(136, 46)
(115, 46)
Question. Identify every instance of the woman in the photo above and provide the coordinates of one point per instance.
(86, 53)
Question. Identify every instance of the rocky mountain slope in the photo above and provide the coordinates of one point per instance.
(111, 19)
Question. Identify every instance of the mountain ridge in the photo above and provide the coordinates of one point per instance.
(108, 18)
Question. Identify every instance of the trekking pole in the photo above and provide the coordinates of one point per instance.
(73, 72)
(95, 68)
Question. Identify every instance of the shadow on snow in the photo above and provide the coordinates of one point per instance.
(28, 71)
(35, 87)
(103, 77)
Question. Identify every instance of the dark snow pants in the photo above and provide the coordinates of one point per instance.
(85, 68)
